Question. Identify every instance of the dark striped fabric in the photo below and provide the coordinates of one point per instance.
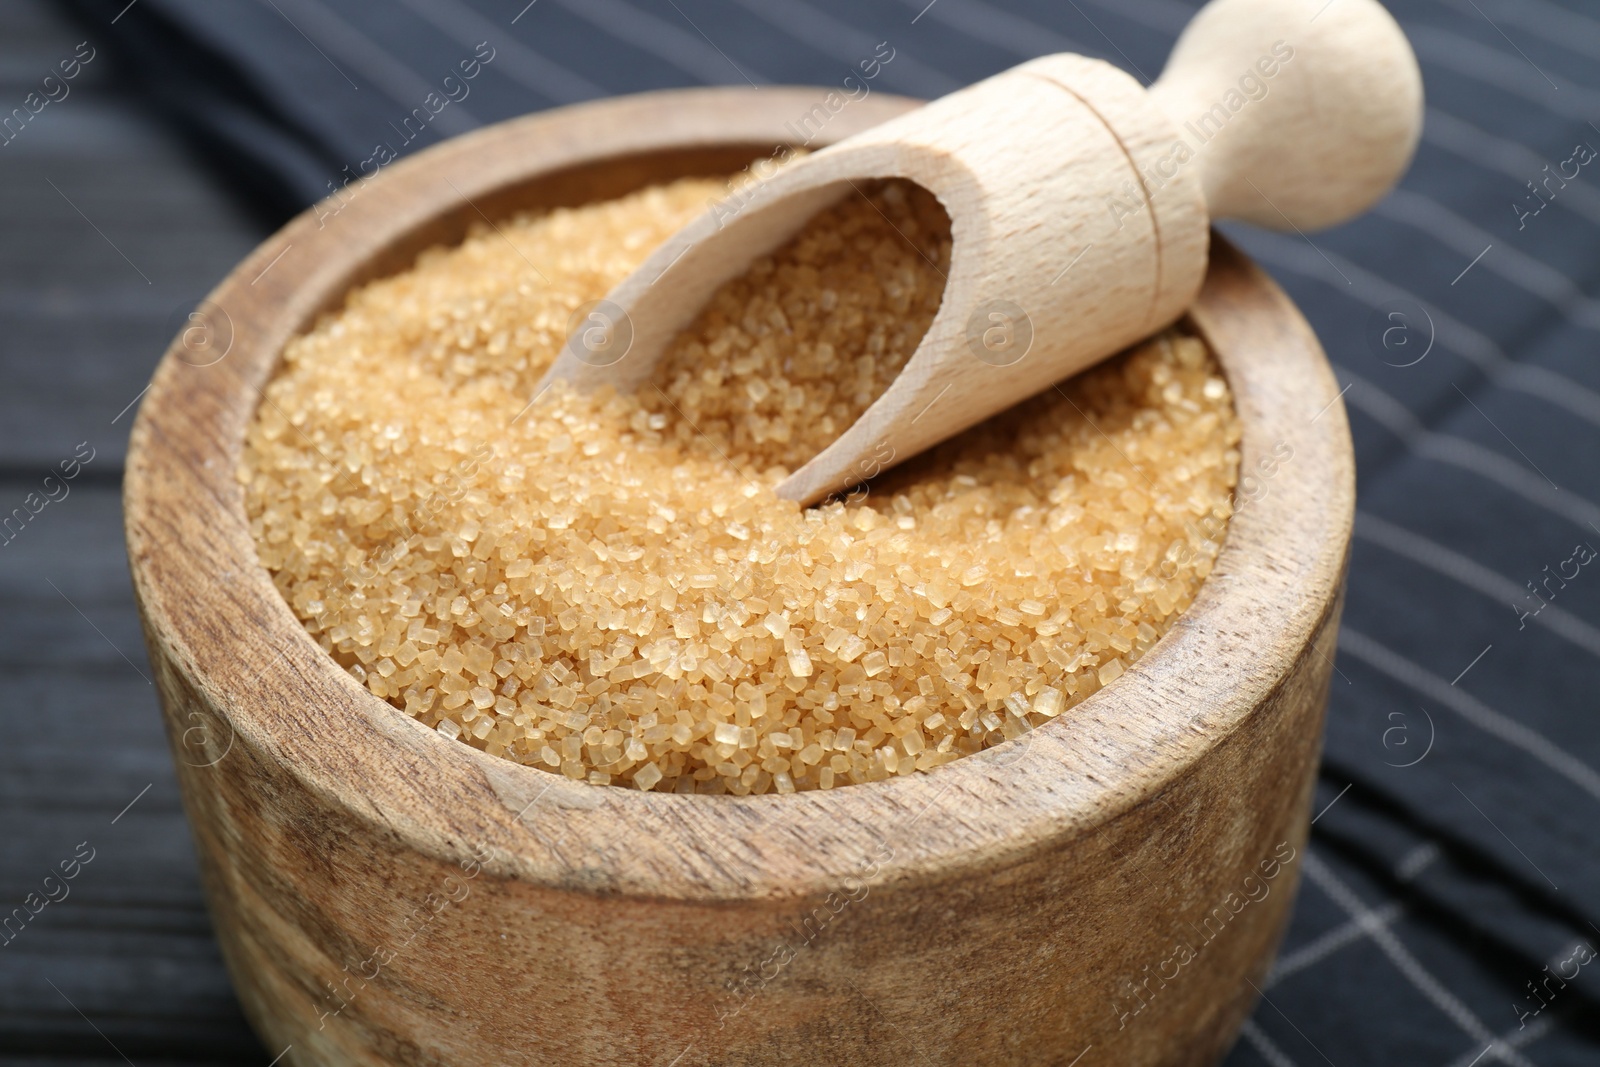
(1451, 905)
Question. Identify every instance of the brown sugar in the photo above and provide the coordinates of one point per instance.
(607, 587)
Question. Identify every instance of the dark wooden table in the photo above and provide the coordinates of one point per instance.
(110, 230)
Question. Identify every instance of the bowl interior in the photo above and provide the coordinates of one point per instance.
(205, 595)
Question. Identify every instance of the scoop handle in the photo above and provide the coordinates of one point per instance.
(1299, 118)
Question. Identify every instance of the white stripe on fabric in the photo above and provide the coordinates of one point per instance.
(1547, 21)
(1404, 962)
(1489, 66)
(1470, 456)
(1344, 276)
(1319, 949)
(1417, 860)
(1423, 213)
(1519, 1038)
(1475, 576)
(1516, 161)
(1264, 1045)
(1473, 710)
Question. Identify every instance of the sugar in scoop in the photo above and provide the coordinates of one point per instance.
(1081, 205)
(607, 586)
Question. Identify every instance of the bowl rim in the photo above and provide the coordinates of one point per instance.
(212, 611)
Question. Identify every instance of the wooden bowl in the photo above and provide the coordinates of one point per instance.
(1107, 887)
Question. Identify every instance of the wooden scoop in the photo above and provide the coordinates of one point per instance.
(1080, 207)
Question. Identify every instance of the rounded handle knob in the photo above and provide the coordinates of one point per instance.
(1299, 118)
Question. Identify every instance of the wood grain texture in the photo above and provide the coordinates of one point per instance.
(1079, 205)
(1023, 164)
(468, 910)
(1302, 116)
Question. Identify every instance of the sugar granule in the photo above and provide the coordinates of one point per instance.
(606, 586)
